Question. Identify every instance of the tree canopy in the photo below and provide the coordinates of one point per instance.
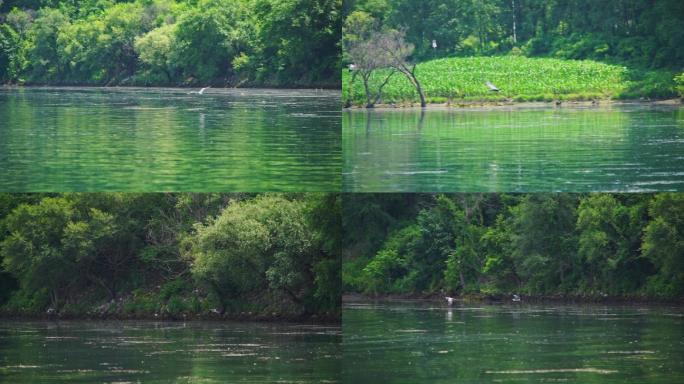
(594, 245)
(170, 253)
(641, 32)
(171, 42)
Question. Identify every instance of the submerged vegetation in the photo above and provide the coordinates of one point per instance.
(170, 255)
(586, 50)
(171, 42)
(593, 245)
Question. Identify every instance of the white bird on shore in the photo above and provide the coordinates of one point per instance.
(201, 91)
(450, 300)
(492, 87)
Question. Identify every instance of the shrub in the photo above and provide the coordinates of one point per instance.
(679, 84)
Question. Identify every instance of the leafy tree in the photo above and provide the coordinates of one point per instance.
(299, 40)
(156, 50)
(465, 264)
(264, 244)
(209, 37)
(392, 45)
(99, 49)
(362, 49)
(595, 245)
(271, 253)
(609, 243)
(499, 265)
(544, 241)
(664, 243)
(391, 270)
(294, 42)
(33, 250)
(19, 20)
(45, 62)
(12, 54)
(679, 81)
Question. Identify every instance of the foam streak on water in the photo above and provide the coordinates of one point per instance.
(83, 352)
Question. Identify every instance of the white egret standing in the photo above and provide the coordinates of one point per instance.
(450, 300)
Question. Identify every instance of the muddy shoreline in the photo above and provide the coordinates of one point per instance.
(515, 105)
(507, 298)
(321, 319)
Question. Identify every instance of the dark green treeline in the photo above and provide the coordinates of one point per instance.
(644, 33)
(592, 245)
(170, 255)
(171, 42)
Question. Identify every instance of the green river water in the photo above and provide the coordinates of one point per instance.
(419, 342)
(147, 352)
(633, 148)
(147, 139)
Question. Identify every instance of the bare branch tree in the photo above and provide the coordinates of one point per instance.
(394, 49)
(368, 58)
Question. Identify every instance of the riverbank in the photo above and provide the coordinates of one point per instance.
(510, 104)
(127, 309)
(506, 298)
(327, 88)
(174, 301)
(204, 317)
(463, 81)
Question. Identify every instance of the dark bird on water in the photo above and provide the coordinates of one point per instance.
(492, 87)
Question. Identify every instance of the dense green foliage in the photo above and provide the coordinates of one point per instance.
(169, 42)
(645, 33)
(593, 245)
(679, 81)
(519, 78)
(638, 40)
(173, 254)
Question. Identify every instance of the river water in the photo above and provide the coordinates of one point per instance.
(419, 342)
(147, 139)
(633, 148)
(149, 352)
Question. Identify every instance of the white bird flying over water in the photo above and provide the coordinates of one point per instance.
(492, 87)
(450, 300)
(201, 91)
(516, 298)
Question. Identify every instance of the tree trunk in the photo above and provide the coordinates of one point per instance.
(369, 103)
(411, 74)
(54, 298)
(423, 103)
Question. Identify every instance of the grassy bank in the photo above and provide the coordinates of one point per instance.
(454, 80)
